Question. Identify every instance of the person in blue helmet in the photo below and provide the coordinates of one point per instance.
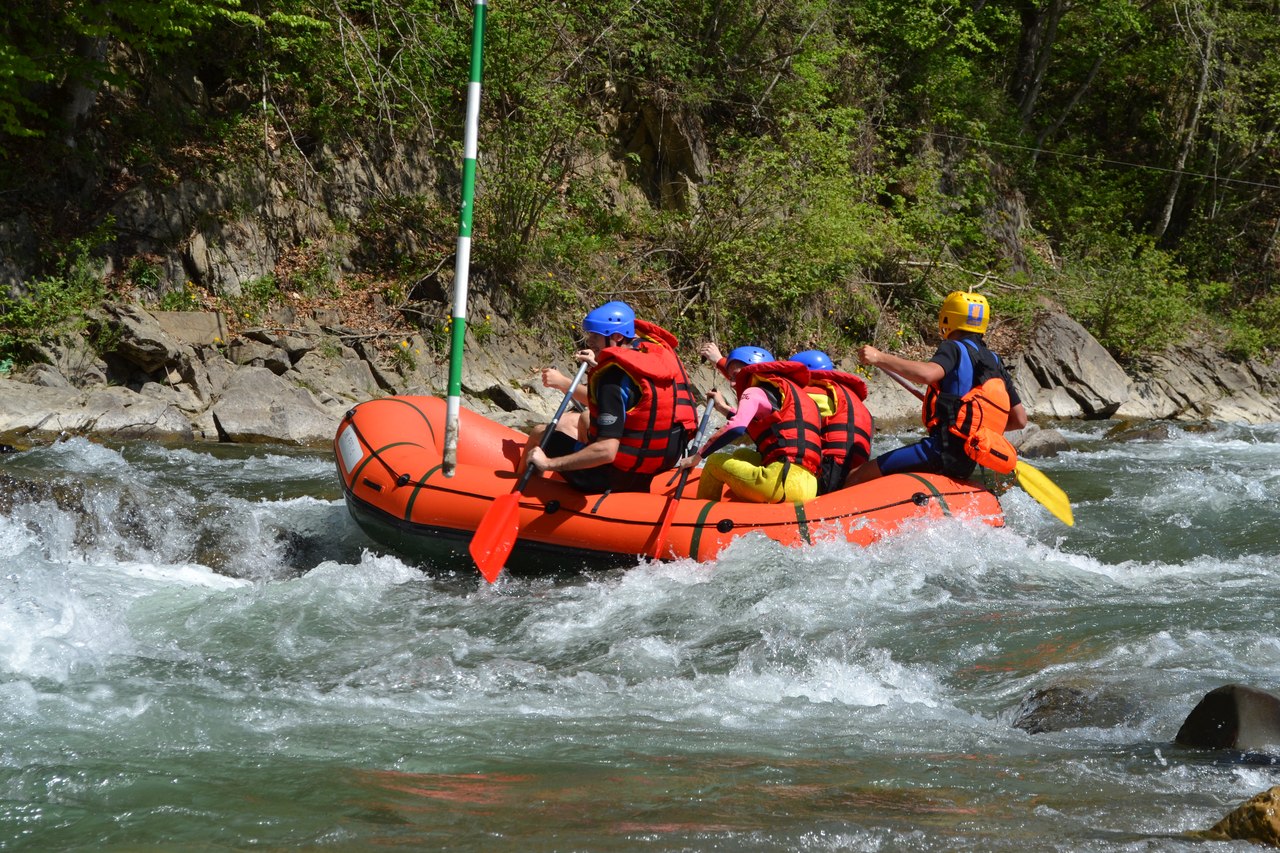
(782, 422)
(640, 413)
(969, 404)
(728, 367)
(846, 422)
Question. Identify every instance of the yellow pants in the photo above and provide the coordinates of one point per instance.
(748, 480)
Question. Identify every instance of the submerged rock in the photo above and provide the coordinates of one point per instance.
(1070, 706)
(1139, 431)
(1033, 442)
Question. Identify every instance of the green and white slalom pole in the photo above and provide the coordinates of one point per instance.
(462, 266)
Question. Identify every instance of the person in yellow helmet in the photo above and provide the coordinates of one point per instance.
(970, 402)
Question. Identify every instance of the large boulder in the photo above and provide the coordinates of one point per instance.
(1192, 383)
(108, 411)
(1065, 373)
(139, 337)
(1234, 717)
(256, 407)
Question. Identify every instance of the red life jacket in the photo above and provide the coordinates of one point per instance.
(686, 405)
(846, 432)
(974, 406)
(645, 444)
(792, 432)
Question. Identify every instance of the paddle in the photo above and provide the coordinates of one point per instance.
(1032, 480)
(496, 534)
(670, 513)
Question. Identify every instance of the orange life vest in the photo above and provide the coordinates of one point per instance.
(647, 432)
(792, 432)
(846, 432)
(666, 343)
(974, 406)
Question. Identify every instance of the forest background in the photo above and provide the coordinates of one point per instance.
(816, 173)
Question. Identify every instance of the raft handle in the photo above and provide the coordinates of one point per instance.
(919, 499)
(552, 507)
(724, 525)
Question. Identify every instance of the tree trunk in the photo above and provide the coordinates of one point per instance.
(1188, 130)
(1035, 49)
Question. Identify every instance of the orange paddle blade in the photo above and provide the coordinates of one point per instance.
(660, 539)
(495, 536)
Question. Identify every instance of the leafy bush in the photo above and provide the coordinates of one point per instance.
(52, 306)
(1132, 296)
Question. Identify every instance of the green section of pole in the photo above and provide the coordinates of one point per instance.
(462, 263)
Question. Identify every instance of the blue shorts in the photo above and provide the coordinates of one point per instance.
(923, 456)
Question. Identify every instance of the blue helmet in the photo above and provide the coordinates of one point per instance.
(814, 359)
(611, 318)
(749, 355)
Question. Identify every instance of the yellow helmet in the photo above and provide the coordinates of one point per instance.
(962, 311)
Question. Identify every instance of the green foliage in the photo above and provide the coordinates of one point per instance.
(185, 298)
(256, 296)
(783, 238)
(404, 357)
(44, 45)
(1132, 296)
(55, 305)
(1255, 329)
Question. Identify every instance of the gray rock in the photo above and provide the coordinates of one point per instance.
(72, 356)
(121, 413)
(251, 352)
(1034, 442)
(193, 327)
(1190, 383)
(45, 375)
(36, 409)
(108, 411)
(1065, 372)
(344, 379)
(139, 339)
(257, 406)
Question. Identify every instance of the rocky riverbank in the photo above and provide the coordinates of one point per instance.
(179, 376)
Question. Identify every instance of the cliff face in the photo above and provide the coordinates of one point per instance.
(179, 376)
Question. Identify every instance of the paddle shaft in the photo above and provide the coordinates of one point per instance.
(670, 513)
(919, 395)
(551, 427)
(497, 531)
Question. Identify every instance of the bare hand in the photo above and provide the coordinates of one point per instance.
(689, 461)
(710, 352)
(552, 378)
(869, 355)
(582, 355)
(537, 459)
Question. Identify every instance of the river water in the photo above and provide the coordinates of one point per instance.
(199, 650)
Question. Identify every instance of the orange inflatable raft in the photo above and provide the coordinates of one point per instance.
(389, 455)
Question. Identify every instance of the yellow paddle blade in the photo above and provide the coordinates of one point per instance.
(1044, 490)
